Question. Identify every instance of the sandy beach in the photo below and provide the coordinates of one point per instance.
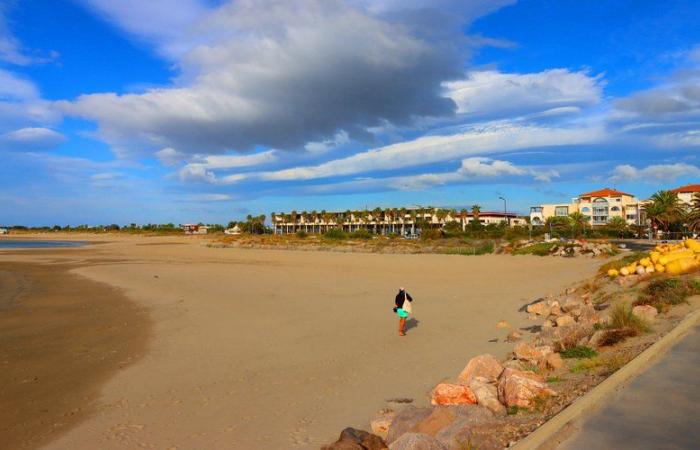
(265, 349)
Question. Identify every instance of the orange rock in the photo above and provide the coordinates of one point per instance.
(554, 361)
(485, 366)
(452, 394)
(487, 395)
(519, 388)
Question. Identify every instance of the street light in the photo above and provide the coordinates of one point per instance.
(505, 210)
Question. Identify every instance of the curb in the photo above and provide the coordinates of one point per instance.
(544, 435)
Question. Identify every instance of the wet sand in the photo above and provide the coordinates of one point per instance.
(264, 349)
(61, 338)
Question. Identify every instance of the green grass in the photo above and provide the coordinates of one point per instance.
(620, 263)
(515, 409)
(539, 249)
(621, 317)
(360, 234)
(554, 380)
(579, 352)
(483, 249)
(666, 292)
(335, 234)
(587, 364)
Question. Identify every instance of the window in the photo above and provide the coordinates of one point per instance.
(600, 211)
(561, 211)
(536, 209)
(585, 209)
(615, 208)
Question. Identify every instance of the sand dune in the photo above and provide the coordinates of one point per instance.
(254, 349)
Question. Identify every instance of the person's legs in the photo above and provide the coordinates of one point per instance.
(402, 326)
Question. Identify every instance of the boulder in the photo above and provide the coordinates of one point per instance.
(645, 312)
(530, 353)
(554, 362)
(588, 315)
(571, 303)
(380, 425)
(486, 366)
(440, 418)
(514, 336)
(547, 324)
(555, 308)
(452, 394)
(416, 441)
(354, 439)
(519, 388)
(487, 395)
(503, 324)
(477, 430)
(540, 308)
(596, 338)
(406, 419)
(565, 321)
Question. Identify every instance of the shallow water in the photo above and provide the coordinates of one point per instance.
(38, 244)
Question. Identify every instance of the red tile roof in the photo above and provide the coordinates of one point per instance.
(607, 192)
(687, 188)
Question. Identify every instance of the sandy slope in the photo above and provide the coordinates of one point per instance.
(281, 349)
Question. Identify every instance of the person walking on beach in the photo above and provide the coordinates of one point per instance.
(402, 309)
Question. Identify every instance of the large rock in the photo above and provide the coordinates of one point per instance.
(645, 312)
(452, 394)
(406, 419)
(554, 361)
(485, 366)
(588, 316)
(530, 353)
(487, 395)
(520, 388)
(416, 441)
(474, 425)
(565, 321)
(440, 418)
(380, 425)
(540, 308)
(354, 439)
(570, 303)
(597, 338)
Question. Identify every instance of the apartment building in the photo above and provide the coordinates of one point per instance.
(600, 206)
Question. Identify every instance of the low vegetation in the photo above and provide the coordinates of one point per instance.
(579, 352)
(478, 249)
(539, 249)
(621, 317)
(666, 292)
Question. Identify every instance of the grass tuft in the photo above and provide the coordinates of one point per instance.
(666, 292)
(579, 352)
(621, 317)
(539, 249)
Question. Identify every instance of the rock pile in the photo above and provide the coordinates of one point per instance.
(576, 248)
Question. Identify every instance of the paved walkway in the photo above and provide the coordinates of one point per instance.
(659, 409)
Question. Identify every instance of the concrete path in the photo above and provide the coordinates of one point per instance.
(657, 410)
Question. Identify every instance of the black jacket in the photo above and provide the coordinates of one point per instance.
(400, 299)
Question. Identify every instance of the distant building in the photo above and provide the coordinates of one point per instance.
(4, 231)
(190, 228)
(599, 206)
(686, 193)
(234, 230)
(403, 221)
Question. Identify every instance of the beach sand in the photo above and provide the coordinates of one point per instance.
(264, 349)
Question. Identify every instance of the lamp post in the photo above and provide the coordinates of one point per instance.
(505, 211)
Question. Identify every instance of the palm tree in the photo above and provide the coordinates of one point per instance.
(665, 209)
(617, 224)
(578, 221)
(476, 210)
(693, 218)
(463, 214)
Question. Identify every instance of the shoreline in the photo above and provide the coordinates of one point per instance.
(58, 348)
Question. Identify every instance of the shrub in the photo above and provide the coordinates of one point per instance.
(482, 249)
(587, 364)
(361, 234)
(428, 234)
(665, 292)
(335, 233)
(579, 352)
(301, 234)
(621, 317)
(539, 249)
(612, 337)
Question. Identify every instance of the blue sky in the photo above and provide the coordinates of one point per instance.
(119, 111)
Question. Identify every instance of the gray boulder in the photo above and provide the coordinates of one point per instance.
(416, 441)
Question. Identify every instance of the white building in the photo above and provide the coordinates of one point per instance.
(191, 228)
(686, 193)
(4, 231)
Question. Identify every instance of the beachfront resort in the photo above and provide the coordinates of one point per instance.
(597, 207)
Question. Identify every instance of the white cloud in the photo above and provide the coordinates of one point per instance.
(484, 167)
(490, 92)
(209, 197)
(490, 138)
(31, 139)
(654, 173)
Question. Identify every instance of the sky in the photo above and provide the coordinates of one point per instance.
(120, 111)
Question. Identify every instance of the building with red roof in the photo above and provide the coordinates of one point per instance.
(686, 193)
